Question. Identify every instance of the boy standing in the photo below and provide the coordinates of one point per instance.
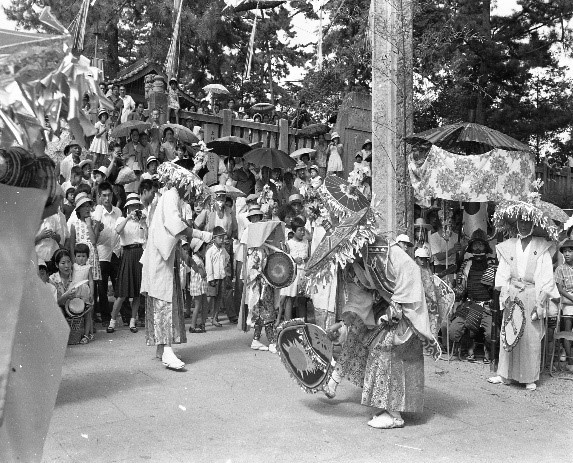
(217, 266)
(564, 281)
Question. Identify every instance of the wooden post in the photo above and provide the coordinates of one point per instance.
(392, 112)
(283, 135)
(226, 130)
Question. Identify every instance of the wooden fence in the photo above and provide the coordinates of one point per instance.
(271, 136)
(556, 182)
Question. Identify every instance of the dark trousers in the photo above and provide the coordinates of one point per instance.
(108, 270)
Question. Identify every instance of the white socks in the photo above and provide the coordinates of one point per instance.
(132, 323)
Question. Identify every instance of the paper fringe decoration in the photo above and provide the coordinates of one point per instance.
(362, 235)
(173, 175)
(507, 213)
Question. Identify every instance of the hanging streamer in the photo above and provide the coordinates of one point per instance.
(251, 49)
(172, 60)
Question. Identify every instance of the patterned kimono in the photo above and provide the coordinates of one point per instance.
(524, 278)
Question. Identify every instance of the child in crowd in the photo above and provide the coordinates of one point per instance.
(298, 248)
(68, 203)
(86, 231)
(45, 277)
(217, 266)
(131, 230)
(82, 271)
(75, 178)
(99, 146)
(151, 168)
(198, 285)
(315, 179)
(87, 166)
(173, 101)
(564, 281)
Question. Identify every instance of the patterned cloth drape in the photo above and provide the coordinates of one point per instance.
(491, 176)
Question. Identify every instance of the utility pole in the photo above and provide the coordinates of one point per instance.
(392, 113)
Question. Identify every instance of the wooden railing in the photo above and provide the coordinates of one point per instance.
(271, 136)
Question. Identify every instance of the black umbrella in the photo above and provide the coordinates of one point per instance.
(230, 146)
(467, 138)
(270, 157)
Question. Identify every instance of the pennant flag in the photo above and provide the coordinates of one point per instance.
(78, 27)
(48, 18)
(172, 60)
(251, 50)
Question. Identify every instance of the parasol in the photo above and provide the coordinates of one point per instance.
(181, 133)
(298, 153)
(230, 191)
(216, 89)
(230, 146)
(124, 130)
(270, 157)
(314, 130)
(262, 107)
(349, 237)
(467, 138)
(341, 198)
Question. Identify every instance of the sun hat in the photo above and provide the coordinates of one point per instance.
(334, 135)
(366, 142)
(253, 197)
(151, 159)
(255, 210)
(82, 198)
(300, 166)
(422, 252)
(133, 198)
(358, 154)
(421, 223)
(102, 170)
(102, 111)
(218, 190)
(75, 307)
(314, 166)
(69, 147)
(404, 239)
(218, 231)
(566, 244)
(296, 198)
(85, 162)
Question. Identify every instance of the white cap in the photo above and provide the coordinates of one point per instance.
(404, 239)
(422, 252)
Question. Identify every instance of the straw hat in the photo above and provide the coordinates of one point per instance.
(255, 210)
(422, 252)
(102, 170)
(404, 239)
(334, 135)
(85, 162)
(102, 111)
(366, 142)
(218, 231)
(151, 159)
(133, 198)
(296, 198)
(75, 307)
(218, 190)
(300, 166)
(314, 166)
(82, 198)
(421, 223)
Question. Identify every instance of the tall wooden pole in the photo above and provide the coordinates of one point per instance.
(392, 112)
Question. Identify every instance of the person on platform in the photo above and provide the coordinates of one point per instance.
(138, 114)
(99, 146)
(335, 153)
(160, 283)
(476, 297)
(128, 104)
(525, 281)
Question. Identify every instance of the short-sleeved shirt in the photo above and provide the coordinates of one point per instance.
(564, 277)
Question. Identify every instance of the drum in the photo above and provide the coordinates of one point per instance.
(473, 317)
(513, 323)
(280, 269)
(306, 352)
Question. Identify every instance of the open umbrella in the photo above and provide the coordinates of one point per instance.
(342, 198)
(181, 133)
(348, 238)
(262, 107)
(298, 153)
(230, 146)
(314, 130)
(467, 138)
(270, 157)
(230, 191)
(216, 89)
(123, 130)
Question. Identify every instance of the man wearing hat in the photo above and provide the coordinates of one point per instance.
(300, 182)
(72, 154)
(475, 294)
(296, 202)
(421, 230)
(404, 242)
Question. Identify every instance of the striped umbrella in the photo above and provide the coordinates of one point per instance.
(467, 138)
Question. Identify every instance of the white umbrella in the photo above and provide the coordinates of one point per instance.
(216, 89)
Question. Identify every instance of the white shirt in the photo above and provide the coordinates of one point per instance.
(108, 240)
(132, 233)
(438, 245)
(66, 165)
(128, 107)
(46, 248)
(216, 260)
